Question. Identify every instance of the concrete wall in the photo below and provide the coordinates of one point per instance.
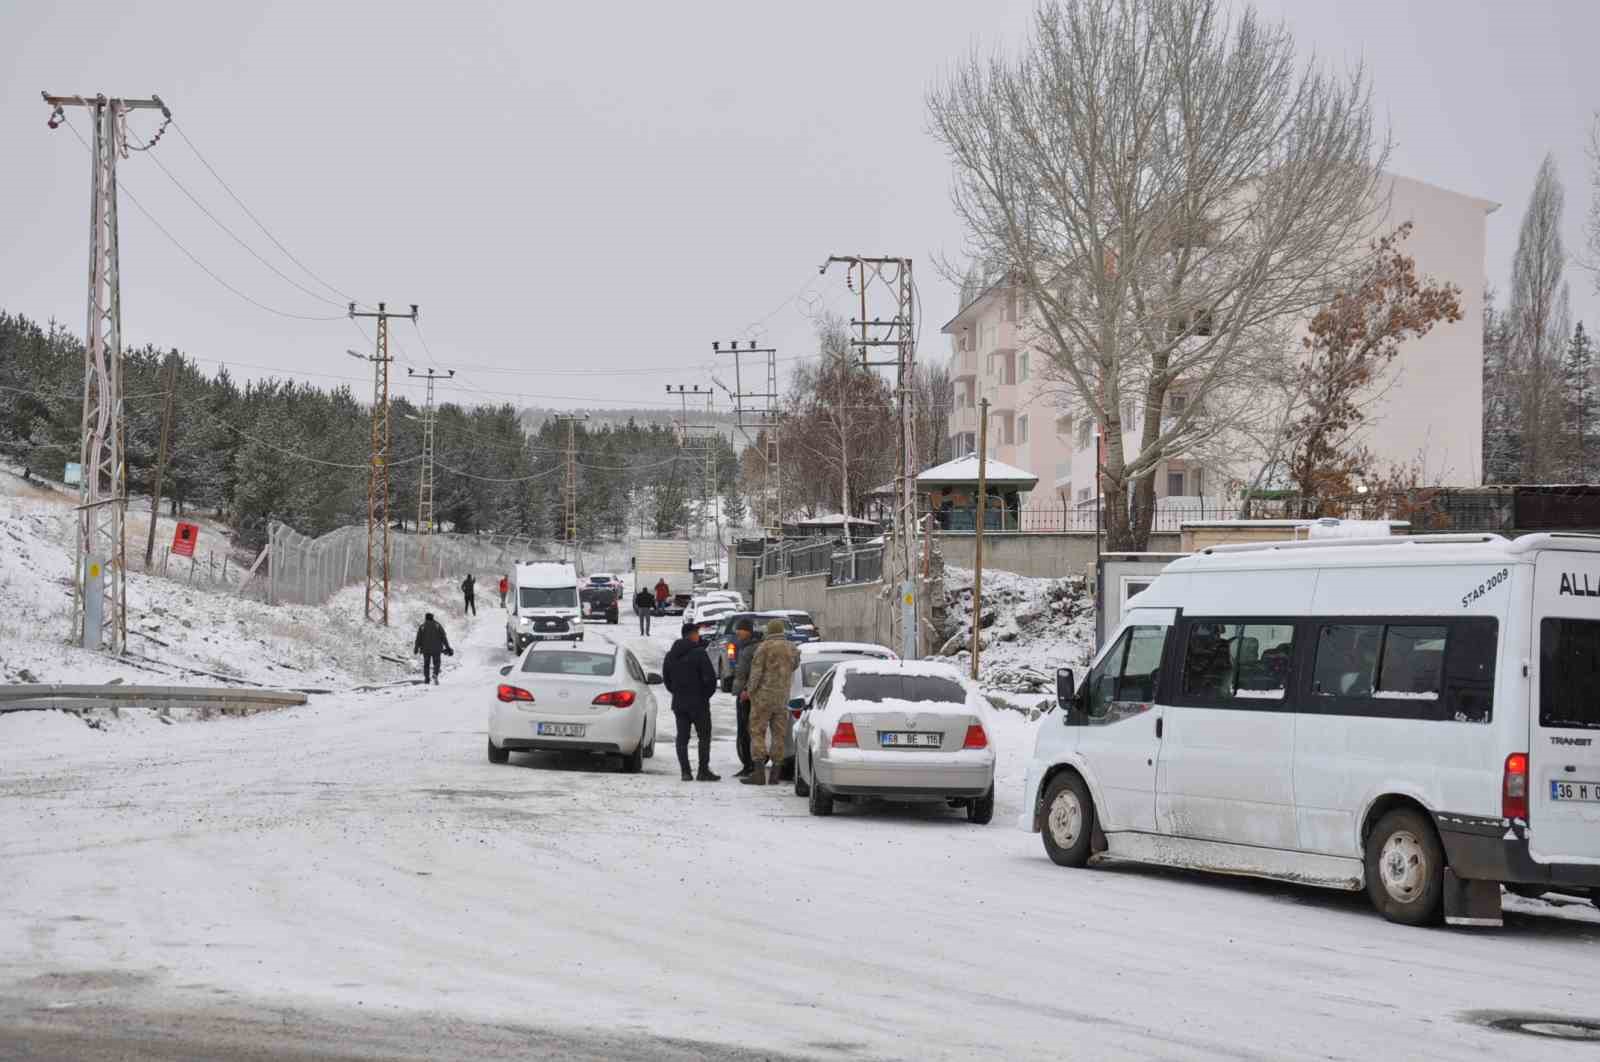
(1039, 555)
(860, 612)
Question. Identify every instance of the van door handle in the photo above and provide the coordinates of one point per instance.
(1158, 728)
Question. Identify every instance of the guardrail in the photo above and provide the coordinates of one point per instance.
(34, 697)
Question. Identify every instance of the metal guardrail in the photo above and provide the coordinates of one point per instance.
(27, 697)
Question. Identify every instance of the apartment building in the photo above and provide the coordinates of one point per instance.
(1429, 409)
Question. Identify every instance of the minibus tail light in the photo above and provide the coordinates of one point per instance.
(1514, 788)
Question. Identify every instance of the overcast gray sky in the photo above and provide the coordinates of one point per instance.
(589, 194)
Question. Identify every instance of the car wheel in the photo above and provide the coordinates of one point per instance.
(788, 771)
(633, 762)
(1405, 868)
(981, 809)
(1068, 820)
(800, 786)
(650, 745)
(498, 755)
(820, 801)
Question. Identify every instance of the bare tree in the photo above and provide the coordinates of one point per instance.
(1540, 322)
(1168, 189)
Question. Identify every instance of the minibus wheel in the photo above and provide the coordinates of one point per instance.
(1068, 820)
(1405, 868)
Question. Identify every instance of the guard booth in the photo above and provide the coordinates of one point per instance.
(1118, 579)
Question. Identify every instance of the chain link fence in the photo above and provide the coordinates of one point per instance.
(308, 571)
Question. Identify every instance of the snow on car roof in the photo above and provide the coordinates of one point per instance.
(869, 649)
(785, 612)
(905, 667)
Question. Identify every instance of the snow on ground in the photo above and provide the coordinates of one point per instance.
(1031, 627)
(359, 857)
(183, 634)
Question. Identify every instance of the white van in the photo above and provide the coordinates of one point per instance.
(1413, 716)
(543, 605)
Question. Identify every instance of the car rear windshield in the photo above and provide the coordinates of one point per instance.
(547, 596)
(875, 687)
(1569, 673)
(569, 662)
(811, 673)
(800, 619)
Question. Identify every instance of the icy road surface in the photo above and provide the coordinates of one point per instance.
(353, 879)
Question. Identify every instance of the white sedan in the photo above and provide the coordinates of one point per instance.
(897, 730)
(563, 697)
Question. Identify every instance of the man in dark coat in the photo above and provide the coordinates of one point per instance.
(644, 603)
(746, 638)
(431, 641)
(470, 593)
(686, 672)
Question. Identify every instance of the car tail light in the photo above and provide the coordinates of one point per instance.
(976, 738)
(616, 699)
(733, 650)
(1514, 788)
(844, 736)
(509, 693)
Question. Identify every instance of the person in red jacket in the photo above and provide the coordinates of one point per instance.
(504, 586)
(663, 591)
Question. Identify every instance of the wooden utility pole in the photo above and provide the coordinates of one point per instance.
(977, 542)
(161, 462)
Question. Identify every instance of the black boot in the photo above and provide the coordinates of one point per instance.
(744, 771)
(707, 776)
(688, 775)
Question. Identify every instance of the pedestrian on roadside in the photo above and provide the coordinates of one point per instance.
(644, 603)
(745, 640)
(505, 585)
(431, 641)
(469, 594)
(686, 672)
(771, 672)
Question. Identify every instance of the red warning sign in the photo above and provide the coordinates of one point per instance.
(184, 538)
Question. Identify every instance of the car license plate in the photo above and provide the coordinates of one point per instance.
(1579, 791)
(902, 739)
(561, 729)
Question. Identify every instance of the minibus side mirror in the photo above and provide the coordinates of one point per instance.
(1065, 685)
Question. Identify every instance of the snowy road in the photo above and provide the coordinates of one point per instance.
(354, 876)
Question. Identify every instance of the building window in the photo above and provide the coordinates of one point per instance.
(1083, 495)
(1083, 433)
(1174, 484)
(1176, 404)
(1022, 429)
(1022, 366)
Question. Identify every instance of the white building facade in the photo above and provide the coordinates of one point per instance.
(1428, 412)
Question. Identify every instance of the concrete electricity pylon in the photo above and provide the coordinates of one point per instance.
(699, 439)
(899, 333)
(757, 411)
(569, 487)
(425, 481)
(100, 573)
(377, 603)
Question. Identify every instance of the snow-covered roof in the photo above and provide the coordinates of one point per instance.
(833, 520)
(964, 470)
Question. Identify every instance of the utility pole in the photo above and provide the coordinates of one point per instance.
(758, 411)
(425, 484)
(377, 604)
(897, 332)
(977, 541)
(161, 462)
(569, 487)
(697, 437)
(100, 573)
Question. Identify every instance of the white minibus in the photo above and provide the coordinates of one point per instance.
(1416, 717)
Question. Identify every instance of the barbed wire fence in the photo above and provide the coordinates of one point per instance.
(308, 571)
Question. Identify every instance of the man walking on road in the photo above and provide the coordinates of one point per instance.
(687, 674)
(644, 604)
(431, 641)
(469, 593)
(746, 639)
(771, 672)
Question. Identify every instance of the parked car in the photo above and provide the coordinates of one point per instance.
(733, 596)
(565, 697)
(709, 617)
(898, 730)
(607, 579)
(816, 660)
(721, 645)
(599, 602)
(1412, 716)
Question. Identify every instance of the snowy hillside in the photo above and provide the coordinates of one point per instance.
(1029, 628)
(183, 634)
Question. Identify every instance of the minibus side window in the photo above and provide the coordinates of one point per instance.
(1469, 670)
(1413, 660)
(1237, 661)
(1347, 660)
(1102, 682)
(1128, 673)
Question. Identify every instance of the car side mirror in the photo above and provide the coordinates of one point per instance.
(653, 679)
(798, 704)
(1066, 685)
(506, 670)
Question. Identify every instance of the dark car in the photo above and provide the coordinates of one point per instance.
(798, 627)
(598, 602)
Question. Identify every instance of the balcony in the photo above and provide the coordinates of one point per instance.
(964, 366)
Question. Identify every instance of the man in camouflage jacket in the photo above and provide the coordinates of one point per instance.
(771, 673)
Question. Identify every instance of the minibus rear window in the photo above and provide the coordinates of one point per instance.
(1569, 673)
